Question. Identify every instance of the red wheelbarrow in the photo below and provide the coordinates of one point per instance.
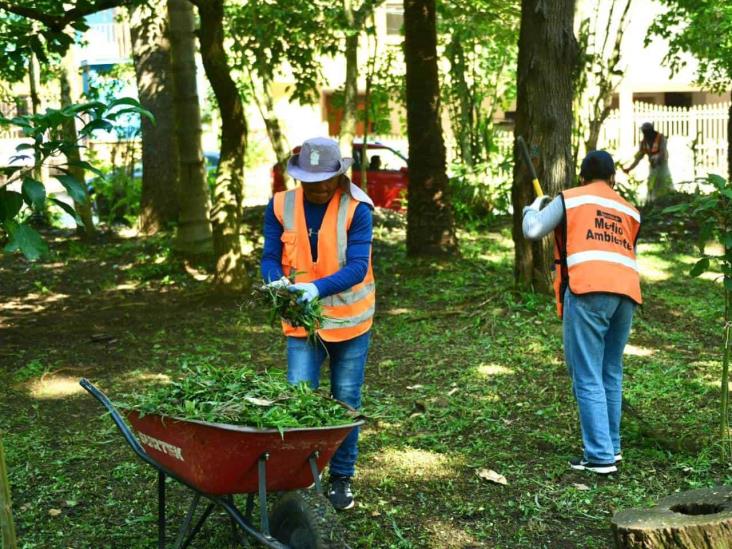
(217, 461)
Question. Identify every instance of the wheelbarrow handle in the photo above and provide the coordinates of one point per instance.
(118, 421)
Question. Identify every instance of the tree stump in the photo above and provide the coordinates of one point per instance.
(697, 519)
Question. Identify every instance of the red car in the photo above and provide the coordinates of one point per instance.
(386, 174)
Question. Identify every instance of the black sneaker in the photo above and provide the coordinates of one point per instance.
(581, 464)
(340, 494)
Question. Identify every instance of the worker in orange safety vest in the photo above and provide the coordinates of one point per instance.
(597, 287)
(320, 234)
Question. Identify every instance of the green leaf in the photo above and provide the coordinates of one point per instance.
(68, 209)
(728, 284)
(96, 124)
(676, 208)
(84, 107)
(10, 204)
(26, 240)
(87, 166)
(23, 147)
(74, 187)
(717, 180)
(700, 266)
(142, 112)
(727, 240)
(34, 193)
(132, 102)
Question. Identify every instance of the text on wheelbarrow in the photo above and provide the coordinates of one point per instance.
(161, 446)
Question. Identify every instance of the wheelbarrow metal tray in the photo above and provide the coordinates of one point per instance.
(222, 459)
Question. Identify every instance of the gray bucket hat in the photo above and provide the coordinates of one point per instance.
(319, 159)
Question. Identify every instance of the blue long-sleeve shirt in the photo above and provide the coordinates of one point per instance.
(358, 249)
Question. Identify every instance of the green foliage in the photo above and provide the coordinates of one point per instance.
(713, 212)
(218, 393)
(479, 193)
(44, 131)
(702, 28)
(479, 39)
(270, 35)
(283, 304)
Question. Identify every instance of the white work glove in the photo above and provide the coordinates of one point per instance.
(309, 291)
(537, 204)
(282, 282)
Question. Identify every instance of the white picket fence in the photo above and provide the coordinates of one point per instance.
(697, 136)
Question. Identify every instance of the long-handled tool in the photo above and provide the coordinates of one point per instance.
(529, 164)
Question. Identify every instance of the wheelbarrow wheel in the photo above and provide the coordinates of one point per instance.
(306, 520)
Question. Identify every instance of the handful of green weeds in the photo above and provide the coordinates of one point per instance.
(239, 396)
(283, 304)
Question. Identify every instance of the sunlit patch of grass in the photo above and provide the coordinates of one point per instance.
(637, 350)
(446, 534)
(55, 386)
(490, 369)
(414, 463)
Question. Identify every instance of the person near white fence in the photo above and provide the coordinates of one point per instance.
(654, 145)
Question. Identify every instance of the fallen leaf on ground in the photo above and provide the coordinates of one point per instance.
(452, 391)
(579, 486)
(54, 512)
(491, 476)
(414, 387)
(259, 401)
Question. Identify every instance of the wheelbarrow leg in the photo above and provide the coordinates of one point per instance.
(262, 470)
(161, 510)
(198, 525)
(185, 525)
(314, 469)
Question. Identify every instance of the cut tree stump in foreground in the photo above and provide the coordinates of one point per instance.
(697, 519)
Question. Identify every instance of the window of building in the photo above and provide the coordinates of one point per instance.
(394, 18)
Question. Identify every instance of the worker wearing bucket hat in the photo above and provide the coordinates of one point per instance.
(320, 234)
(597, 287)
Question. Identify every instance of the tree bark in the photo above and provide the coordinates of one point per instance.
(729, 141)
(7, 526)
(71, 135)
(159, 204)
(193, 238)
(430, 224)
(686, 520)
(548, 54)
(350, 89)
(263, 100)
(227, 207)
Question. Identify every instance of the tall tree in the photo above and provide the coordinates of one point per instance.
(430, 224)
(159, 204)
(228, 192)
(193, 237)
(702, 28)
(548, 55)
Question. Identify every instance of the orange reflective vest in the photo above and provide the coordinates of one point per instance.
(594, 246)
(349, 313)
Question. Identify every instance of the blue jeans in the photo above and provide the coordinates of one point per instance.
(596, 329)
(347, 365)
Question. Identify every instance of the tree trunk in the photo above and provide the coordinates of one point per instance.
(263, 100)
(547, 57)
(33, 83)
(729, 141)
(430, 224)
(227, 207)
(464, 124)
(686, 520)
(350, 89)
(159, 204)
(70, 134)
(7, 526)
(193, 238)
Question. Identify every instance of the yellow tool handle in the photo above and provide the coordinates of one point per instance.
(527, 160)
(537, 187)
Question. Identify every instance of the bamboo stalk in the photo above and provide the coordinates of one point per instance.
(6, 515)
(726, 442)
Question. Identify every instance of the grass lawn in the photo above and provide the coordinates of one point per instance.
(464, 374)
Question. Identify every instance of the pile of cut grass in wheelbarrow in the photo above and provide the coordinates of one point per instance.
(239, 396)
